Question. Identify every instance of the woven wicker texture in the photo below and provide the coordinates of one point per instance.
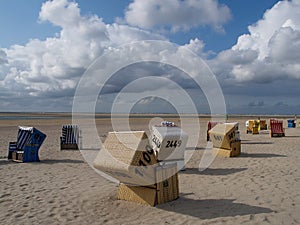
(164, 191)
(127, 156)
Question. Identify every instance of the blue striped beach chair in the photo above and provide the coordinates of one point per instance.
(70, 137)
(26, 148)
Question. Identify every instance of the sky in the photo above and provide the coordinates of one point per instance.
(252, 47)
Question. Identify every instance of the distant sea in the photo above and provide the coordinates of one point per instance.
(60, 115)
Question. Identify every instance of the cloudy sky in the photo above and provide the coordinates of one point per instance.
(251, 46)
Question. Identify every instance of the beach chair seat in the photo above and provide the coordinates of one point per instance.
(70, 137)
(276, 127)
(26, 148)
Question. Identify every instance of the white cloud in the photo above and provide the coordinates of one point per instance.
(61, 13)
(176, 14)
(271, 50)
(285, 46)
(197, 46)
(283, 14)
(53, 67)
(44, 73)
(3, 62)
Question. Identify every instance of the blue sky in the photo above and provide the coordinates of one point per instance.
(19, 21)
(251, 46)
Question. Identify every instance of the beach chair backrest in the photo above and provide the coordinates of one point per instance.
(276, 126)
(24, 137)
(70, 134)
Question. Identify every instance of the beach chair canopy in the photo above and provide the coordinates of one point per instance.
(29, 135)
(24, 136)
(169, 142)
(70, 134)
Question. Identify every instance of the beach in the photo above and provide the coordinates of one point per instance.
(261, 186)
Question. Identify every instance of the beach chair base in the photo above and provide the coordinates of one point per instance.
(138, 194)
(69, 147)
(277, 134)
(162, 192)
(226, 152)
(233, 152)
(255, 130)
(17, 156)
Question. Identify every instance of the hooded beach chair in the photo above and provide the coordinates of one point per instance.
(226, 140)
(276, 127)
(70, 137)
(291, 123)
(26, 148)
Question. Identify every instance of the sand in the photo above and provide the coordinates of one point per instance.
(262, 186)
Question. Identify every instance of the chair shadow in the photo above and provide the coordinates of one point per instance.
(257, 142)
(195, 148)
(292, 136)
(5, 161)
(55, 161)
(213, 172)
(212, 208)
(260, 155)
(43, 161)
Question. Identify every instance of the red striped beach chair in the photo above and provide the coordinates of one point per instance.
(276, 127)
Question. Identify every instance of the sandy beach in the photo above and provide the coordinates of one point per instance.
(261, 186)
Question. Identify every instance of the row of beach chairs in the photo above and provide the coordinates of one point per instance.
(29, 140)
(254, 126)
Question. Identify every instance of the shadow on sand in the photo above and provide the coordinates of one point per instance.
(212, 208)
(55, 161)
(257, 142)
(5, 161)
(260, 155)
(43, 161)
(194, 148)
(212, 172)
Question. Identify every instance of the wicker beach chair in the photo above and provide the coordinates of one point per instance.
(70, 137)
(276, 127)
(26, 148)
